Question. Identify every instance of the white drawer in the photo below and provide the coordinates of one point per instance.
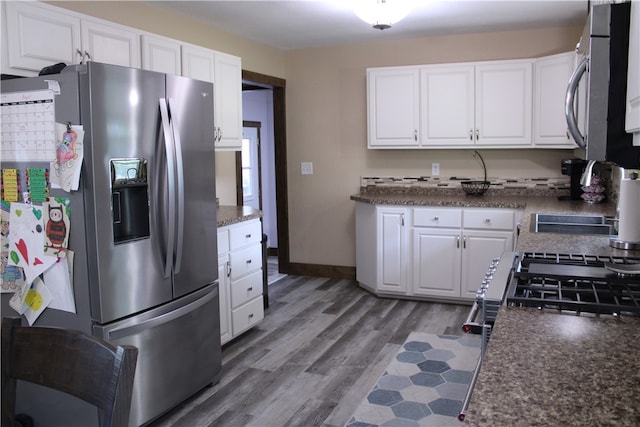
(245, 261)
(245, 233)
(429, 217)
(246, 289)
(223, 241)
(489, 219)
(247, 316)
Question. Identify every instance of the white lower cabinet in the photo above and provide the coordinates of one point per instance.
(452, 248)
(240, 278)
(440, 253)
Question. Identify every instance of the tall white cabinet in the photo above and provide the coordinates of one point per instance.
(221, 69)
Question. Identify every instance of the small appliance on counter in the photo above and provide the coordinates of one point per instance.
(628, 206)
(574, 169)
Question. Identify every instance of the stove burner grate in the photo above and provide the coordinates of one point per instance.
(575, 283)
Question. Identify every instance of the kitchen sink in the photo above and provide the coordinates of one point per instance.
(572, 224)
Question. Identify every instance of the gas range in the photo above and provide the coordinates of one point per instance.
(574, 284)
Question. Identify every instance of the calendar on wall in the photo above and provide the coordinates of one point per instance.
(27, 120)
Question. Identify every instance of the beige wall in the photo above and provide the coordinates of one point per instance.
(326, 117)
(326, 124)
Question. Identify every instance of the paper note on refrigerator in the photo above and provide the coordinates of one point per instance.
(56, 218)
(59, 281)
(28, 126)
(65, 169)
(26, 240)
(11, 276)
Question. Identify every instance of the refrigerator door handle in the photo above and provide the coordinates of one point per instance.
(153, 322)
(171, 214)
(180, 191)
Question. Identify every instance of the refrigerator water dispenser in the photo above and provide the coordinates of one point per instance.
(129, 199)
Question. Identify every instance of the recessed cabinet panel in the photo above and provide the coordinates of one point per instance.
(504, 104)
(551, 77)
(447, 97)
(393, 107)
(39, 36)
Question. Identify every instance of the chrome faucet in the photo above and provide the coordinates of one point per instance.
(585, 180)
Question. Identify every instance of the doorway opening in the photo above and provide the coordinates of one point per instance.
(275, 166)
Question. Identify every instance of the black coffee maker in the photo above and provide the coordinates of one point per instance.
(573, 168)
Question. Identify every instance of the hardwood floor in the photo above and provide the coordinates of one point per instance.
(320, 349)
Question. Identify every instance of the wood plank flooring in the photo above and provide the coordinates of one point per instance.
(320, 349)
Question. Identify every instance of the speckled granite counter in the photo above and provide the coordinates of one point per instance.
(545, 369)
(227, 215)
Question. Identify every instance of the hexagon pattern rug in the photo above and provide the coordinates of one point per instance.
(424, 385)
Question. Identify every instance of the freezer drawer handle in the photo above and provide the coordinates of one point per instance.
(126, 331)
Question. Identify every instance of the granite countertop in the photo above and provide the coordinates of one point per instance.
(227, 215)
(547, 369)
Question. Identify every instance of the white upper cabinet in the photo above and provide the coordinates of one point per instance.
(227, 111)
(447, 100)
(393, 102)
(551, 77)
(487, 104)
(198, 63)
(503, 103)
(225, 72)
(38, 35)
(161, 54)
(110, 43)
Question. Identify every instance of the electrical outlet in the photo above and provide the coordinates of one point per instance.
(306, 168)
(435, 169)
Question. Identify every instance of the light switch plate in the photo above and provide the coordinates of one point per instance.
(306, 168)
(435, 169)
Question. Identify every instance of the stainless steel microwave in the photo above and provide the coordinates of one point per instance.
(596, 95)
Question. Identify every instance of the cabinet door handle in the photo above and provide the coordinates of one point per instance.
(487, 220)
(248, 261)
(87, 55)
(436, 218)
(415, 135)
(251, 316)
(247, 236)
(249, 289)
(457, 241)
(464, 242)
(470, 134)
(228, 268)
(402, 220)
(477, 135)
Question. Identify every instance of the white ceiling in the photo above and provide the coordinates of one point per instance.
(302, 24)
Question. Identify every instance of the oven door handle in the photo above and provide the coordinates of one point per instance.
(470, 326)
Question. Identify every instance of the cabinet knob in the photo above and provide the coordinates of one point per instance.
(470, 134)
(247, 236)
(251, 316)
(248, 261)
(249, 289)
(487, 221)
(477, 134)
(436, 218)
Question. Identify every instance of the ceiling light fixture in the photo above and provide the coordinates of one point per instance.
(381, 14)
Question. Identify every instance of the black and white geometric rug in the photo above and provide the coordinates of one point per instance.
(424, 385)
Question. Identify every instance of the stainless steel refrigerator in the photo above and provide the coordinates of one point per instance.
(143, 228)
